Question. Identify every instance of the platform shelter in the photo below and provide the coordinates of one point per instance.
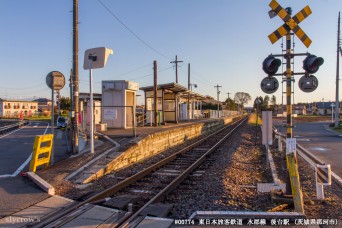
(167, 102)
(175, 103)
(191, 105)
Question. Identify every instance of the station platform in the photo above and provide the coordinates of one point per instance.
(146, 142)
(148, 129)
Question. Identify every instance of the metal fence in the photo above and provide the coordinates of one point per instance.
(109, 117)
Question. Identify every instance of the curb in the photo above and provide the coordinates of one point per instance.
(41, 183)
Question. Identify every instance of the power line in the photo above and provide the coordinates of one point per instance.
(24, 88)
(98, 82)
(131, 31)
(131, 71)
(198, 78)
(150, 74)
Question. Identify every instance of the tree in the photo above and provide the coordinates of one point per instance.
(258, 106)
(65, 103)
(273, 103)
(230, 104)
(273, 100)
(265, 104)
(242, 98)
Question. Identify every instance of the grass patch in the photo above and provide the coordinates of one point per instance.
(253, 121)
(41, 118)
(338, 129)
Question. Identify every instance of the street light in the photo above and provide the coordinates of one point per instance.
(332, 112)
(94, 58)
(195, 85)
(192, 101)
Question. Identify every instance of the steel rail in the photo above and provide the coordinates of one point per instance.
(180, 178)
(46, 220)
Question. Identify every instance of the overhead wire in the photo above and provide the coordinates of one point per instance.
(23, 88)
(144, 76)
(198, 77)
(131, 31)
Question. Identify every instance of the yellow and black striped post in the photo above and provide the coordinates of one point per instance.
(291, 158)
(291, 24)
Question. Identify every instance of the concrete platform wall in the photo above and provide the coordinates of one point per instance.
(149, 145)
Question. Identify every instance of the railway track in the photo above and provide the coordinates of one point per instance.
(147, 187)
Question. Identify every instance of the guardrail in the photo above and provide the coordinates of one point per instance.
(12, 127)
(309, 155)
(315, 162)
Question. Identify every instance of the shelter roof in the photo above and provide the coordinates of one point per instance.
(174, 87)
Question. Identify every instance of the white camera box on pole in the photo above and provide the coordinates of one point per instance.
(118, 103)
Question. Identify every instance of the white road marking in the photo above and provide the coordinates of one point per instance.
(303, 140)
(318, 148)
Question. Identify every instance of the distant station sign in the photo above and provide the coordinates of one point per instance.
(55, 80)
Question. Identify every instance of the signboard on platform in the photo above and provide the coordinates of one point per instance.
(110, 114)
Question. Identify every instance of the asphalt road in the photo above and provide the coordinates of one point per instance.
(18, 192)
(325, 144)
(16, 147)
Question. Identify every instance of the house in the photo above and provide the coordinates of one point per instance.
(280, 110)
(299, 109)
(17, 108)
(44, 106)
(325, 108)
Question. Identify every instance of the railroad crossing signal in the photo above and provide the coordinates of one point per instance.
(291, 23)
(308, 83)
(271, 65)
(269, 85)
(312, 63)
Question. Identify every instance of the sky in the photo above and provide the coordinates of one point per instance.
(224, 41)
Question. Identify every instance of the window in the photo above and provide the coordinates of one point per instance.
(169, 105)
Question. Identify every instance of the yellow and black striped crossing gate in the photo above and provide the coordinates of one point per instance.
(291, 23)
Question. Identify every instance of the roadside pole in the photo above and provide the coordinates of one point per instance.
(52, 123)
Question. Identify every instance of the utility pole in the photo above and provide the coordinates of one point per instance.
(176, 62)
(155, 74)
(188, 117)
(218, 100)
(74, 117)
(228, 95)
(337, 102)
(71, 85)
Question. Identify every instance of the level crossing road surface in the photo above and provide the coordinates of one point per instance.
(322, 142)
